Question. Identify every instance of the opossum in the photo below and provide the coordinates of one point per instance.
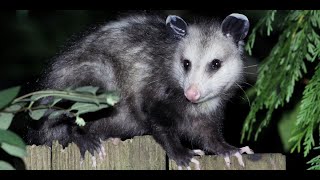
(174, 79)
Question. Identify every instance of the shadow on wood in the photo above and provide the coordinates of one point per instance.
(139, 153)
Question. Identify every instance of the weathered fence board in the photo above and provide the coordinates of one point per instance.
(139, 153)
(252, 162)
(38, 158)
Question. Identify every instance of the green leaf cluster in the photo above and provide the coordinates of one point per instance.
(10, 142)
(86, 99)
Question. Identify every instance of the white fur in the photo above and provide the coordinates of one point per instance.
(141, 71)
(205, 107)
(210, 85)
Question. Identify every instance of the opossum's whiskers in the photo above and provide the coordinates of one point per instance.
(244, 93)
(249, 73)
(248, 84)
(255, 65)
(225, 97)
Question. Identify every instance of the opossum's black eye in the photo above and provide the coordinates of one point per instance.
(186, 64)
(215, 64)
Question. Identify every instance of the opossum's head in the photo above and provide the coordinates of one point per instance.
(208, 58)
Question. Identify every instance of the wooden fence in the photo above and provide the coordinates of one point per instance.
(139, 153)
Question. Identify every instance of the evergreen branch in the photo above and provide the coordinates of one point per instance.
(309, 115)
(315, 163)
(265, 21)
(283, 67)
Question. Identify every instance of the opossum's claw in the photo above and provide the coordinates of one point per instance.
(196, 164)
(238, 155)
(102, 153)
(246, 149)
(115, 141)
(227, 160)
(199, 152)
(94, 161)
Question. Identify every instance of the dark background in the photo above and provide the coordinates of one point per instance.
(30, 38)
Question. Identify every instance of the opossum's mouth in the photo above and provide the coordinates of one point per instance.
(210, 96)
(204, 99)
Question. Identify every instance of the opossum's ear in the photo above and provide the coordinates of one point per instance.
(176, 26)
(235, 25)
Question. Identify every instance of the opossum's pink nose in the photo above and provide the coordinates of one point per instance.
(192, 93)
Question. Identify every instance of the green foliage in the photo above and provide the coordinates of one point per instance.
(298, 44)
(6, 96)
(286, 124)
(5, 166)
(86, 99)
(265, 21)
(309, 115)
(6, 120)
(12, 143)
(315, 163)
(9, 141)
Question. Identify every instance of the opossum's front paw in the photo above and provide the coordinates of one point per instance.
(238, 155)
(183, 158)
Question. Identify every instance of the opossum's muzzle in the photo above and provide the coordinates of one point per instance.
(192, 93)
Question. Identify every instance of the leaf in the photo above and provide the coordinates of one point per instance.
(308, 57)
(82, 108)
(54, 114)
(5, 166)
(80, 121)
(14, 150)
(12, 143)
(6, 117)
(286, 125)
(36, 97)
(5, 120)
(315, 163)
(15, 107)
(311, 48)
(56, 100)
(112, 99)
(72, 96)
(6, 96)
(90, 89)
(11, 138)
(37, 114)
